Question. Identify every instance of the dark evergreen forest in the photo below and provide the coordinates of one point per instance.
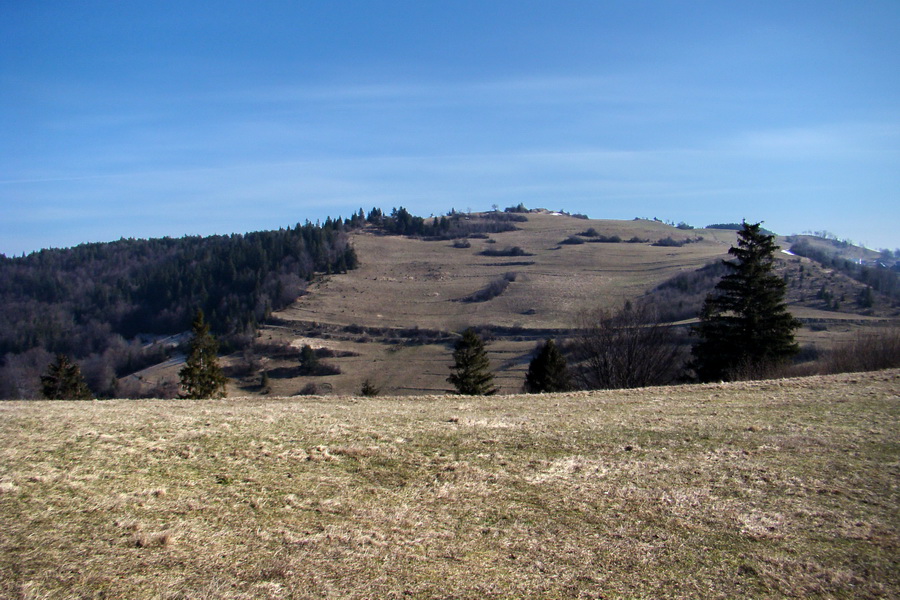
(93, 301)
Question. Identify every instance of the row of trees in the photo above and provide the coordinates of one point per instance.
(72, 299)
(451, 226)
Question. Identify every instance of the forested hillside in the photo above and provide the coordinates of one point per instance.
(92, 301)
(104, 304)
(881, 274)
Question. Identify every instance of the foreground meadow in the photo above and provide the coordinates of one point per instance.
(786, 488)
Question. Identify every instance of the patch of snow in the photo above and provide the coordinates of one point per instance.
(788, 252)
(314, 343)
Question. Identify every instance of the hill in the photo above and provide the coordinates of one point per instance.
(103, 303)
(383, 297)
(776, 489)
(393, 319)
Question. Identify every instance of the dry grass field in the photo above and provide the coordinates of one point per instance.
(770, 489)
(403, 282)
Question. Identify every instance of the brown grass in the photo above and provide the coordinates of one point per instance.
(404, 283)
(395, 314)
(778, 489)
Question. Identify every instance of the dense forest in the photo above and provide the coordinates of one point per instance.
(119, 307)
(102, 302)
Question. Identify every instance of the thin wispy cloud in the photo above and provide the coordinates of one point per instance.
(135, 124)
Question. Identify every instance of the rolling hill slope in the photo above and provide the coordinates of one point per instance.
(393, 319)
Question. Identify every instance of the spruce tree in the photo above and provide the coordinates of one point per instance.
(745, 327)
(547, 371)
(369, 389)
(64, 381)
(309, 361)
(201, 376)
(471, 371)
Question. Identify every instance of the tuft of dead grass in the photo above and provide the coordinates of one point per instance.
(777, 489)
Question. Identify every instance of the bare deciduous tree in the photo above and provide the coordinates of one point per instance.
(625, 349)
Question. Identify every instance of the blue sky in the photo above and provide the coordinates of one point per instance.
(145, 119)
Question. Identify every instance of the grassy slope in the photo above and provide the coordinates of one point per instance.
(405, 283)
(768, 489)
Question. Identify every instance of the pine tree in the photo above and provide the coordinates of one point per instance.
(745, 327)
(201, 376)
(309, 361)
(471, 373)
(64, 381)
(369, 389)
(547, 371)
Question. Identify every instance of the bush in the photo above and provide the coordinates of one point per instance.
(668, 242)
(312, 366)
(368, 389)
(516, 209)
(310, 389)
(868, 351)
(508, 251)
(493, 289)
(573, 240)
(606, 239)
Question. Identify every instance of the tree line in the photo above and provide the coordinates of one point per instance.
(453, 225)
(101, 303)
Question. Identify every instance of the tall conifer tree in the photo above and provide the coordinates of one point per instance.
(201, 376)
(745, 326)
(471, 371)
(547, 371)
(64, 381)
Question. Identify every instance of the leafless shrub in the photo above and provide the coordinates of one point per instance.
(508, 251)
(868, 351)
(625, 349)
(311, 389)
(572, 240)
(493, 289)
(158, 540)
